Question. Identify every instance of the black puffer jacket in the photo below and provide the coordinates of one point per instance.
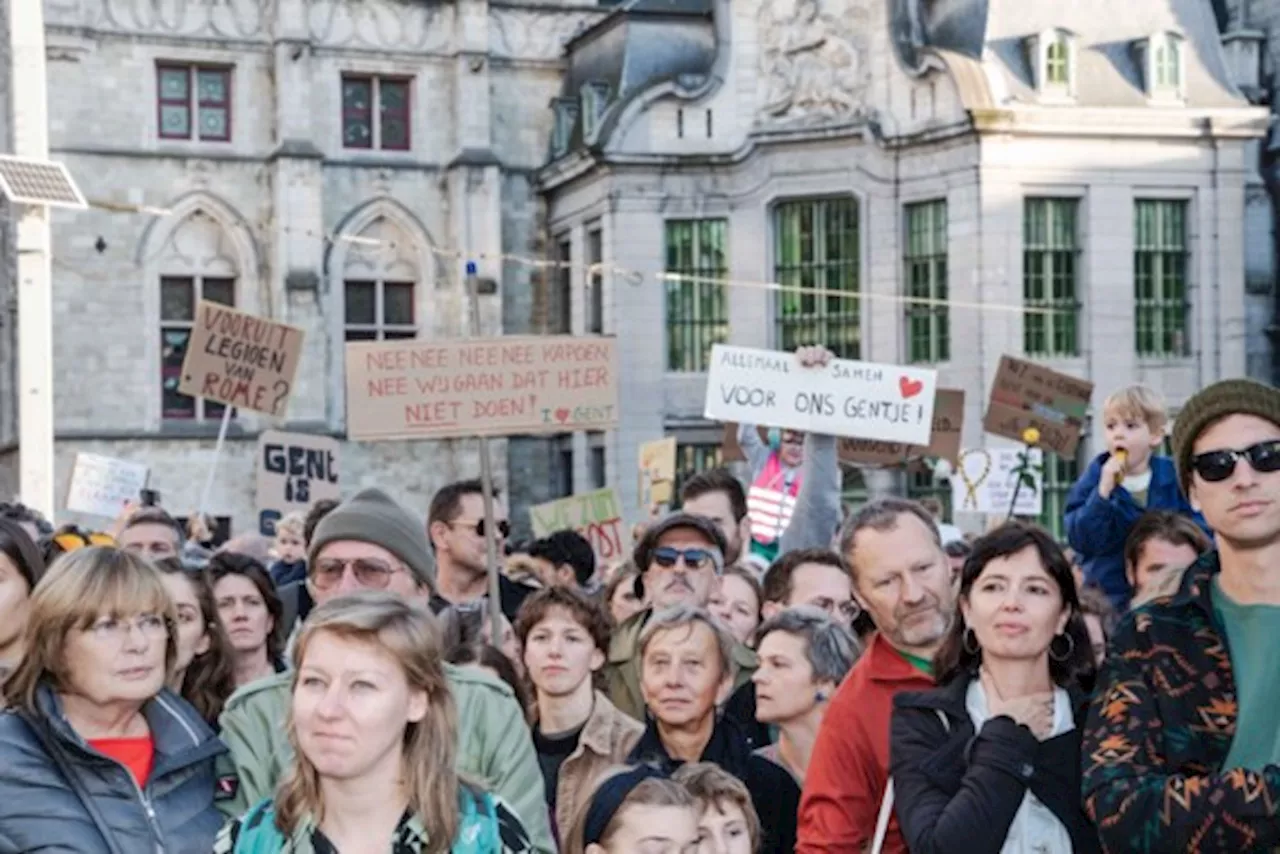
(957, 790)
(41, 811)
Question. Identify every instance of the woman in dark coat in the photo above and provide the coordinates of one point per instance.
(989, 762)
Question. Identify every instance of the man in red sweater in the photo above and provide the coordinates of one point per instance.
(903, 579)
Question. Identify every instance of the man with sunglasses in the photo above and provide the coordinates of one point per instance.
(371, 543)
(455, 526)
(680, 559)
(1182, 749)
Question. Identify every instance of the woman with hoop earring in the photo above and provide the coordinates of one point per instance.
(989, 762)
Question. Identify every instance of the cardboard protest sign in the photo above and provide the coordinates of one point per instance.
(295, 470)
(657, 471)
(844, 398)
(984, 482)
(1025, 394)
(481, 387)
(595, 515)
(101, 486)
(944, 441)
(241, 360)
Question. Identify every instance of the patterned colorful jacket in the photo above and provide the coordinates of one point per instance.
(1159, 730)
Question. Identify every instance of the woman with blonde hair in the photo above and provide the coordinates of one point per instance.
(373, 727)
(100, 757)
(635, 809)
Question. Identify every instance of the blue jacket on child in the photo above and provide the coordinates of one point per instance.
(1097, 527)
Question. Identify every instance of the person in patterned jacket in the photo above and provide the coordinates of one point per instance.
(1182, 749)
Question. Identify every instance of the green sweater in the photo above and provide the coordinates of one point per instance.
(494, 745)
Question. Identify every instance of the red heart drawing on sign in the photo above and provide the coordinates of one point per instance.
(562, 415)
(909, 387)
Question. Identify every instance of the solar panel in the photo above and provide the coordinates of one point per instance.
(38, 182)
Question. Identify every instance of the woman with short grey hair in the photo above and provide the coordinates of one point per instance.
(804, 655)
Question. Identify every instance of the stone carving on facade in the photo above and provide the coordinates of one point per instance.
(813, 60)
(389, 25)
(535, 33)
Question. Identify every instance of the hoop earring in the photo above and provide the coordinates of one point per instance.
(964, 642)
(1071, 648)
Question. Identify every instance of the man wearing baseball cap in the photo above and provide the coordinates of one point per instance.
(1182, 748)
(370, 542)
(680, 559)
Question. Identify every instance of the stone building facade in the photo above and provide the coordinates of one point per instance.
(1061, 180)
(329, 163)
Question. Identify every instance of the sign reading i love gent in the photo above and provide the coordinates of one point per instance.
(862, 400)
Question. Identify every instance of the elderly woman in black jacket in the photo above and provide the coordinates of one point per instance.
(989, 762)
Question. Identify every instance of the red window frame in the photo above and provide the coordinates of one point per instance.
(405, 115)
(193, 103)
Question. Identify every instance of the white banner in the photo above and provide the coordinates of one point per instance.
(101, 486)
(986, 479)
(862, 400)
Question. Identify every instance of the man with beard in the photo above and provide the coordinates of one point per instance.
(680, 560)
(903, 579)
(1181, 751)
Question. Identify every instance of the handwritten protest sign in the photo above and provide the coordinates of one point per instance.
(944, 441)
(240, 359)
(295, 470)
(101, 486)
(1025, 394)
(657, 471)
(859, 399)
(595, 515)
(984, 482)
(480, 387)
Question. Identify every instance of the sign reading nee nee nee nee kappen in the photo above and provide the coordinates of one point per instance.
(480, 387)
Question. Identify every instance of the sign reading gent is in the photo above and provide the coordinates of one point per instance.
(295, 470)
(241, 360)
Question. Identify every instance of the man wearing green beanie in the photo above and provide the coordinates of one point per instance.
(370, 542)
(1182, 748)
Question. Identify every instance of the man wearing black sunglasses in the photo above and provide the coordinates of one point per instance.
(455, 526)
(681, 559)
(1182, 749)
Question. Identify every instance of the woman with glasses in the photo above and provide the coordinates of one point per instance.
(375, 727)
(989, 762)
(250, 611)
(804, 655)
(100, 757)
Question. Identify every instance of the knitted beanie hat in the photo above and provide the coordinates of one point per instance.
(372, 516)
(1228, 397)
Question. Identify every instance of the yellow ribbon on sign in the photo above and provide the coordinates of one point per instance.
(971, 486)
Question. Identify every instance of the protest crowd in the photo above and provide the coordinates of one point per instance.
(764, 671)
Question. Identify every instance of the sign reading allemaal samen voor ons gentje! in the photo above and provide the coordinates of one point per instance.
(863, 400)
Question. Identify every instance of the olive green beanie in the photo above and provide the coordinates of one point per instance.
(1228, 397)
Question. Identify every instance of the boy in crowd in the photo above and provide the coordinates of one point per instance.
(1122, 483)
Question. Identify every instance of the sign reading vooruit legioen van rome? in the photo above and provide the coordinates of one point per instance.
(480, 387)
(239, 359)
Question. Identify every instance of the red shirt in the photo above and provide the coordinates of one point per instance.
(136, 754)
(850, 765)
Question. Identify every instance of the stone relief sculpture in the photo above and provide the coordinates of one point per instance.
(535, 33)
(813, 60)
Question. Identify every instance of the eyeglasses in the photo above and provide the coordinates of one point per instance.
(504, 527)
(69, 541)
(1217, 466)
(848, 610)
(666, 557)
(369, 572)
(116, 630)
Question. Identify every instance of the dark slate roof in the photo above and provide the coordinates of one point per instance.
(1108, 72)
